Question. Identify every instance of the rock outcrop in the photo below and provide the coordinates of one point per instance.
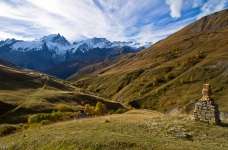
(205, 109)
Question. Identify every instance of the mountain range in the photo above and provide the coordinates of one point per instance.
(169, 74)
(45, 53)
(165, 76)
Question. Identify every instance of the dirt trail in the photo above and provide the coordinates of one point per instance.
(38, 91)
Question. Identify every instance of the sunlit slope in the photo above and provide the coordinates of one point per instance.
(136, 129)
(25, 92)
(170, 73)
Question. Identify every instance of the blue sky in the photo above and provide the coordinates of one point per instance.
(116, 20)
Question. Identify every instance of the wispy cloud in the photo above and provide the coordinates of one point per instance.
(197, 3)
(148, 20)
(175, 7)
(212, 6)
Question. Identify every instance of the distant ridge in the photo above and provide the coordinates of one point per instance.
(47, 52)
(8, 64)
(215, 21)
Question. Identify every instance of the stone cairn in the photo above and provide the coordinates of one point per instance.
(205, 109)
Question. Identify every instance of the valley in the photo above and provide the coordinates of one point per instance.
(25, 92)
(170, 73)
(55, 55)
(115, 95)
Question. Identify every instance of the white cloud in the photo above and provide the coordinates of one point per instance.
(157, 34)
(3, 36)
(212, 6)
(79, 19)
(175, 7)
(113, 19)
(197, 3)
(68, 18)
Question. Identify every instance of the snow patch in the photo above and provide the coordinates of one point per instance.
(27, 46)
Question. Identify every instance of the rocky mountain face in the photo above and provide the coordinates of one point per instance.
(79, 59)
(45, 53)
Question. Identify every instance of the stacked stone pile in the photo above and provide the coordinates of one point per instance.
(205, 109)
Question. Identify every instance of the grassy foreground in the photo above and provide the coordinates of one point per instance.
(136, 129)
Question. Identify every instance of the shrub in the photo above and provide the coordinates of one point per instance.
(82, 102)
(82, 90)
(156, 91)
(25, 126)
(86, 109)
(33, 119)
(140, 94)
(167, 76)
(6, 129)
(176, 64)
(191, 79)
(63, 108)
(34, 125)
(155, 80)
(104, 108)
(37, 118)
(92, 111)
(130, 107)
(45, 118)
(121, 110)
(45, 122)
(182, 81)
(56, 115)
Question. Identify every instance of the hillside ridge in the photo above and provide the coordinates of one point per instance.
(170, 73)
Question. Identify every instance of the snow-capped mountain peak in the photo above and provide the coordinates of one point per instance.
(41, 54)
(59, 45)
(8, 41)
(56, 38)
(98, 42)
(104, 43)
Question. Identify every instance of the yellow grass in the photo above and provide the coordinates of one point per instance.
(136, 129)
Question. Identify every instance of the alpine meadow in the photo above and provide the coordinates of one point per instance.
(98, 94)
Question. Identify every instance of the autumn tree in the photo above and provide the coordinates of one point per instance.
(182, 81)
(191, 79)
(155, 80)
(156, 91)
(92, 111)
(167, 76)
(100, 109)
(86, 109)
(130, 107)
(140, 94)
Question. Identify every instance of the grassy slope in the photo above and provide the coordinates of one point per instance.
(136, 129)
(8, 64)
(23, 94)
(197, 53)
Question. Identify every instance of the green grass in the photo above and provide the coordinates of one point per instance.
(23, 94)
(136, 129)
(47, 101)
